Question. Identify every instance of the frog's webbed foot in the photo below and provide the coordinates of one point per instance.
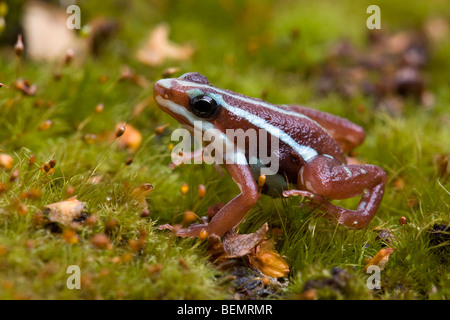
(193, 230)
(315, 201)
(313, 197)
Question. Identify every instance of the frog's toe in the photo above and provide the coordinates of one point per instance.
(312, 196)
(193, 231)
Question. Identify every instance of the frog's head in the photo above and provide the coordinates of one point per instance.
(188, 98)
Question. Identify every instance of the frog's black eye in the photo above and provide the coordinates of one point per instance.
(204, 106)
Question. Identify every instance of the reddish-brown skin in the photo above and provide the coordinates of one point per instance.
(323, 177)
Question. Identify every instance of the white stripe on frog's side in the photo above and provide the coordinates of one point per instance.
(167, 83)
(306, 152)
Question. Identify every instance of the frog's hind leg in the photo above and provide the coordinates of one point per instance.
(324, 178)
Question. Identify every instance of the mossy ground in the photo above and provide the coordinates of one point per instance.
(246, 46)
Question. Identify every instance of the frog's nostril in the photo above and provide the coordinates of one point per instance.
(159, 90)
(163, 88)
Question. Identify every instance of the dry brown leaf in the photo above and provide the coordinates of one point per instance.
(238, 245)
(380, 259)
(268, 261)
(139, 193)
(130, 139)
(259, 251)
(64, 212)
(437, 29)
(158, 48)
(47, 37)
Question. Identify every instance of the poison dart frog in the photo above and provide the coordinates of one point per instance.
(311, 148)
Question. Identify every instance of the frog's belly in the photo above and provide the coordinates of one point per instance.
(275, 183)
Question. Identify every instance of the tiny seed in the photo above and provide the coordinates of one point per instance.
(31, 160)
(261, 180)
(184, 188)
(160, 129)
(403, 221)
(52, 163)
(201, 191)
(14, 175)
(47, 124)
(18, 47)
(99, 108)
(203, 234)
(145, 213)
(120, 131)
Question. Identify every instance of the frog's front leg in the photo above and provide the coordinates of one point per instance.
(234, 211)
(324, 178)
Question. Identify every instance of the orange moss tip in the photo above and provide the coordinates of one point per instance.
(31, 160)
(14, 175)
(129, 161)
(189, 217)
(120, 130)
(101, 241)
(3, 188)
(201, 191)
(70, 236)
(25, 86)
(183, 263)
(68, 57)
(46, 125)
(99, 108)
(145, 213)
(91, 220)
(35, 193)
(403, 221)
(160, 129)
(203, 234)
(22, 209)
(6, 161)
(70, 190)
(261, 180)
(3, 250)
(184, 188)
(380, 259)
(154, 268)
(19, 47)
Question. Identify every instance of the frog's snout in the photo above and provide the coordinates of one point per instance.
(160, 89)
(163, 88)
